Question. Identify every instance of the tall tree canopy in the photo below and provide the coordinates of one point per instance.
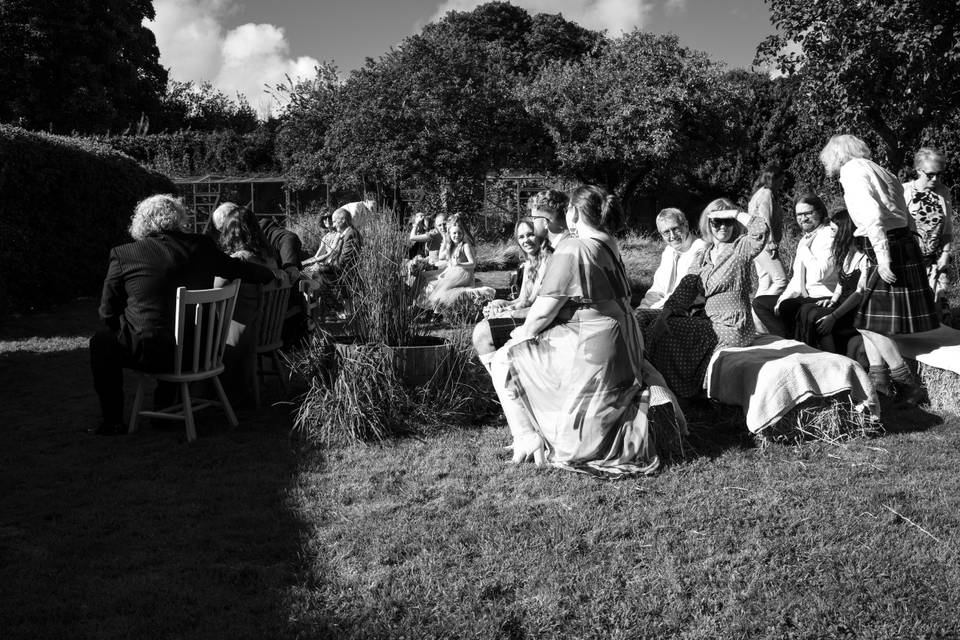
(630, 116)
(78, 65)
(887, 70)
(442, 104)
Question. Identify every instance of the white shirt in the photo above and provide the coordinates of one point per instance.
(359, 212)
(874, 199)
(814, 273)
(661, 288)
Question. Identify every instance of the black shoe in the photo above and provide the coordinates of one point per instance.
(108, 429)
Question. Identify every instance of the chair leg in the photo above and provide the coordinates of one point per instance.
(255, 380)
(188, 412)
(137, 404)
(281, 373)
(227, 409)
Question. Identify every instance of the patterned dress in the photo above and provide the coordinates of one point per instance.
(931, 211)
(711, 310)
(583, 382)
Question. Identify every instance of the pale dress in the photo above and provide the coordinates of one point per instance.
(583, 382)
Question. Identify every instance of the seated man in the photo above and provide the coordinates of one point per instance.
(682, 249)
(346, 250)
(286, 243)
(139, 298)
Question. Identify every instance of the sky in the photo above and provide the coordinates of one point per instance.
(243, 45)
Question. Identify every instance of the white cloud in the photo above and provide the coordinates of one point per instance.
(195, 46)
(674, 6)
(612, 15)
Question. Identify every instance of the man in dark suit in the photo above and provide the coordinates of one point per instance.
(138, 304)
(286, 243)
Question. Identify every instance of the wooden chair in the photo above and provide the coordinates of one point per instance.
(274, 299)
(202, 319)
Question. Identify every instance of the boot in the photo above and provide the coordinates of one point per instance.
(880, 377)
(909, 389)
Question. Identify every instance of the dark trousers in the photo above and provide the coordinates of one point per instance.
(783, 324)
(108, 358)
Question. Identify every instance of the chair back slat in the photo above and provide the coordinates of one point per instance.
(204, 315)
(274, 299)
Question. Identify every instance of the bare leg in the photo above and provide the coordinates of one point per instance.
(483, 339)
(884, 349)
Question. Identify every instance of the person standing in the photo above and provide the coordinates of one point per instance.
(897, 297)
(932, 211)
(771, 278)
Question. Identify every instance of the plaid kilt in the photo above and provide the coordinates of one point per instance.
(906, 306)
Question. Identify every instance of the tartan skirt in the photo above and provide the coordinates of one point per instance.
(907, 305)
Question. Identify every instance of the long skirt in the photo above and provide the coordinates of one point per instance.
(681, 356)
(907, 305)
(578, 386)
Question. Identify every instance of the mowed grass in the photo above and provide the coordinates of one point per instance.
(245, 534)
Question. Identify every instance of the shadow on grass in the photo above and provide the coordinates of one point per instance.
(139, 535)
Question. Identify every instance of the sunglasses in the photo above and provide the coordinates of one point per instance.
(930, 174)
(722, 222)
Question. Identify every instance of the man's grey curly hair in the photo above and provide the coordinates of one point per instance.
(161, 212)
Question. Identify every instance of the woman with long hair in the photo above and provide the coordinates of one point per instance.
(765, 202)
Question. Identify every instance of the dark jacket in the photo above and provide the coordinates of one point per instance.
(139, 291)
(286, 243)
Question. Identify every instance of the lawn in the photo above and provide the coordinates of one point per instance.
(245, 534)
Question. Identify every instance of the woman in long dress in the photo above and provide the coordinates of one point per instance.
(457, 277)
(573, 382)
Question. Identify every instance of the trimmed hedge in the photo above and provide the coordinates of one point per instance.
(63, 203)
(196, 153)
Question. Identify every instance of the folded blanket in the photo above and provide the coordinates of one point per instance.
(939, 348)
(774, 375)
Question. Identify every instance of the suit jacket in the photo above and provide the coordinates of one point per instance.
(139, 291)
(286, 243)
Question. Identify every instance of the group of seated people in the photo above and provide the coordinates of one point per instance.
(584, 380)
(138, 300)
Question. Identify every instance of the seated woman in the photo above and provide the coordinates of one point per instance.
(545, 228)
(814, 276)
(681, 251)
(328, 241)
(421, 270)
(828, 323)
(573, 382)
(241, 237)
(710, 308)
(419, 234)
(456, 279)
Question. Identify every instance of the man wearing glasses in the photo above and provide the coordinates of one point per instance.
(680, 252)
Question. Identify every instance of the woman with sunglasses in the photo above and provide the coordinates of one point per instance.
(716, 291)
(897, 297)
(929, 203)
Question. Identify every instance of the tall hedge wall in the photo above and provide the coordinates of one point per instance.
(63, 203)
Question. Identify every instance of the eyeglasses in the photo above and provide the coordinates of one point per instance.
(672, 231)
(716, 223)
(930, 174)
(540, 217)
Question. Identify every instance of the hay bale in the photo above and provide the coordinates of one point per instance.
(832, 420)
(942, 386)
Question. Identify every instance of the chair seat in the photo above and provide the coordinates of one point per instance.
(187, 377)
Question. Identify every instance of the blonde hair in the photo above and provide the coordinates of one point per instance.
(161, 212)
(840, 149)
(720, 204)
(221, 213)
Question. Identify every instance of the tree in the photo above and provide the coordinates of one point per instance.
(635, 115)
(201, 107)
(77, 65)
(311, 106)
(887, 70)
(445, 103)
